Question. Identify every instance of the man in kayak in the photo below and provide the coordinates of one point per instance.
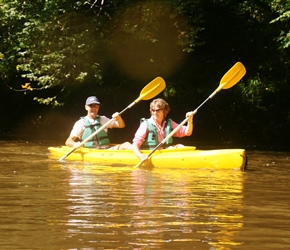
(87, 125)
(153, 130)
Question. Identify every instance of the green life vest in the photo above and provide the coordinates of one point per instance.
(101, 138)
(152, 137)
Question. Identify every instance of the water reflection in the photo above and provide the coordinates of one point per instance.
(154, 208)
(45, 204)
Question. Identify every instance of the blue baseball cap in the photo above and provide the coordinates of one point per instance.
(92, 100)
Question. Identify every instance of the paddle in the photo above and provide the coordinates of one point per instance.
(233, 76)
(149, 91)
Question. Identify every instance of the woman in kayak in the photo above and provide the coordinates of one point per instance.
(153, 130)
(87, 125)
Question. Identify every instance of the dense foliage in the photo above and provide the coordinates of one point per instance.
(57, 51)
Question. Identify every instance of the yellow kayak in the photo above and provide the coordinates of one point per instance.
(184, 158)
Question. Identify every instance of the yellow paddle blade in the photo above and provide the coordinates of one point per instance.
(233, 76)
(152, 89)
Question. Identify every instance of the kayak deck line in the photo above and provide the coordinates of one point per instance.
(183, 158)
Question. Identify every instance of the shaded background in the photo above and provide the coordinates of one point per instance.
(190, 44)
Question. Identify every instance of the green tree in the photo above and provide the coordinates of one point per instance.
(266, 90)
(55, 44)
(52, 49)
(50, 44)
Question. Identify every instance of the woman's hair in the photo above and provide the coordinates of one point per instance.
(161, 104)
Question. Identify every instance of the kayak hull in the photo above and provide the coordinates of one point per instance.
(184, 158)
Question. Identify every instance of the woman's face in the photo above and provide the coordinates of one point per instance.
(157, 113)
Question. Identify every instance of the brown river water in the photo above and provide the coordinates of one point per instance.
(46, 204)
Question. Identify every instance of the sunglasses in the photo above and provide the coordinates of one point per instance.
(156, 110)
